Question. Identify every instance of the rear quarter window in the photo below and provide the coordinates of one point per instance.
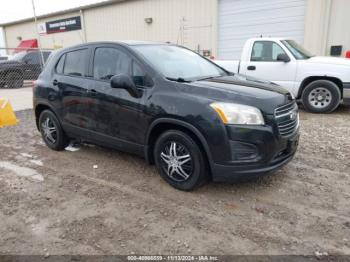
(60, 64)
(75, 63)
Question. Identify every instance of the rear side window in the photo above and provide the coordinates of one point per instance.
(60, 64)
(75, 63)
(110, 61)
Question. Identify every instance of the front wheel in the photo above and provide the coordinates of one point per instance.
(321, 96)
(180, 161)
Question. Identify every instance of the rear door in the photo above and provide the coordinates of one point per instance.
(71, 79)
(263, 64)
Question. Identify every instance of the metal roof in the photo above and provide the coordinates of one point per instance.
(62, 12)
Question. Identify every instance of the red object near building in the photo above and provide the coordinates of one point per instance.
(26, 45)
(347, 55)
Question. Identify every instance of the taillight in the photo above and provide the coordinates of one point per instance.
(34, 83)
(347, 55)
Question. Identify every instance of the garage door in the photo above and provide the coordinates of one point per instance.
(243, 19)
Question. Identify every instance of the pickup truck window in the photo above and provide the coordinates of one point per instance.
(297, 50)
(19, 56)
(266, 51)
(33, 58)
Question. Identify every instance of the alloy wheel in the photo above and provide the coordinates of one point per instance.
(320, 97)
(49, 130)
(177, 161)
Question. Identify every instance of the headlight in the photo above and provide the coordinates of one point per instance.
(238, 114)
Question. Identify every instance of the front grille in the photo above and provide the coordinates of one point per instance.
(287, 118)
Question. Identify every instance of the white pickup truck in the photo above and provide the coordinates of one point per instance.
(321, 83)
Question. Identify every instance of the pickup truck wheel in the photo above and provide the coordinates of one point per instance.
(180, 161)
(13, 80)
(321, 96)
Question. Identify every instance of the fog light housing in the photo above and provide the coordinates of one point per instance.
(243, 151)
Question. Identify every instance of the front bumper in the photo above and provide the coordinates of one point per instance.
(346, 93)
(272, 152)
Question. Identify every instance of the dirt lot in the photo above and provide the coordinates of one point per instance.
(58, 203)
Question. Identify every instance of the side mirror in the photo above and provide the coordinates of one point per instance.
(283, 57)
(124, 81)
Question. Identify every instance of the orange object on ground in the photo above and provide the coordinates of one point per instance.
(7, 116)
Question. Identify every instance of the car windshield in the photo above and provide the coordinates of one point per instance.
(178, 63)
(19, 56)
(297, 50)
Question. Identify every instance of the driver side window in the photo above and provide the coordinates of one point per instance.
(266, 51)
(109, 61)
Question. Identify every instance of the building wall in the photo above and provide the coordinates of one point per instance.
(339, 25)
(125, 21)
(2, 41)
(326, 25)
(28, 31)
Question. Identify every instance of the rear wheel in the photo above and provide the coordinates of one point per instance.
(180, 161)
(13, 80)
(321, 96)
(52, 132)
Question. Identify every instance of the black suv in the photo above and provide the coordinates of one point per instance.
(173, 107)
(22, 66)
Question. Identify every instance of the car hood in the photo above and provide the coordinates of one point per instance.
(329, 60)
(241, 89)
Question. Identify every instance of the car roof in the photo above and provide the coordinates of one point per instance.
(120, 42)
(268, 39)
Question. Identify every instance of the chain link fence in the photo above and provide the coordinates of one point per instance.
(20, 67)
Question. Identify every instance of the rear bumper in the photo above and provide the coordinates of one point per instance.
(346, 93)
(273, 152)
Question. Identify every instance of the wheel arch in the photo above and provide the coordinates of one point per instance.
(311, 79)
(161, 125)
(39, 108)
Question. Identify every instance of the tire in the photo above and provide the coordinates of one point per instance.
(13, 80)
(52, 132)
(321, 96)
(187, 176)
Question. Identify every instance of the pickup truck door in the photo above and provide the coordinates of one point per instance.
(264, 64)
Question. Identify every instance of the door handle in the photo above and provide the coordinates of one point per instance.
(251, 68)
(55, 82)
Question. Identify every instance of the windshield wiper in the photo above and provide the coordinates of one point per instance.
(179, 79)
(210, 77)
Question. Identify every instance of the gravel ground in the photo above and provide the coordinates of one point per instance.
(58, 203)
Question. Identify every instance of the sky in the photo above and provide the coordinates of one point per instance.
(12, 10)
